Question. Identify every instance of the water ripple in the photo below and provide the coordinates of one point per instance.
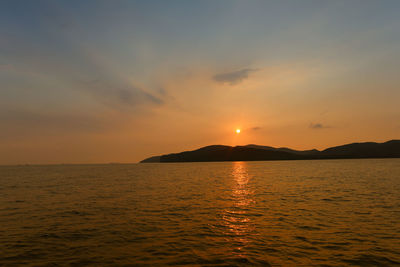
(308, 213)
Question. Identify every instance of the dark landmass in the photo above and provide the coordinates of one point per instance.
(390, 149)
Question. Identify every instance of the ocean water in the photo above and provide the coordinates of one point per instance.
(280, 213)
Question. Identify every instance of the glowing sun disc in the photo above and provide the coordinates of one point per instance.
(237, 131)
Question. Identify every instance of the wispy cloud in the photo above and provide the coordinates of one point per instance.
(121, 96)
(318, 125)
(234, 77)
(256, 128)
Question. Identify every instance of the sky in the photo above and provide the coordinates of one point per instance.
(119, 81)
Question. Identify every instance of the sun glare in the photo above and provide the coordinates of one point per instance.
(238, 131)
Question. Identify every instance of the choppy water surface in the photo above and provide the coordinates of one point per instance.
(337, 212)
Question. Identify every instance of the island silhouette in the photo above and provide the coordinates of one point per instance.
(389, 149)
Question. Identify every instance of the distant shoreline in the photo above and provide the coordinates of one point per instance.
(221, 153)
(134, 163)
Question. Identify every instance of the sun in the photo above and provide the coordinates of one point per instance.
(238, 131)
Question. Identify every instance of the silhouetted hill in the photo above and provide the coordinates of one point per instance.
(285, 149)
(390, 149)
(151, 159)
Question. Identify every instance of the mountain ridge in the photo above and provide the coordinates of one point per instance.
(252, 152)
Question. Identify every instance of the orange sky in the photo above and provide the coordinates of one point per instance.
(122, 82)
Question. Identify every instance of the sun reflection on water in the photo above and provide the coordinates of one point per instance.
(237, 222)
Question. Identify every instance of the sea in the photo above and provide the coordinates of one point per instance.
(265, 213)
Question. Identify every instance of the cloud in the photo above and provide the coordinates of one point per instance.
(121, 96)
(256, 128)
(318, 125)
(234, 77)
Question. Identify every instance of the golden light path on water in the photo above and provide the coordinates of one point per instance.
(235, 218)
